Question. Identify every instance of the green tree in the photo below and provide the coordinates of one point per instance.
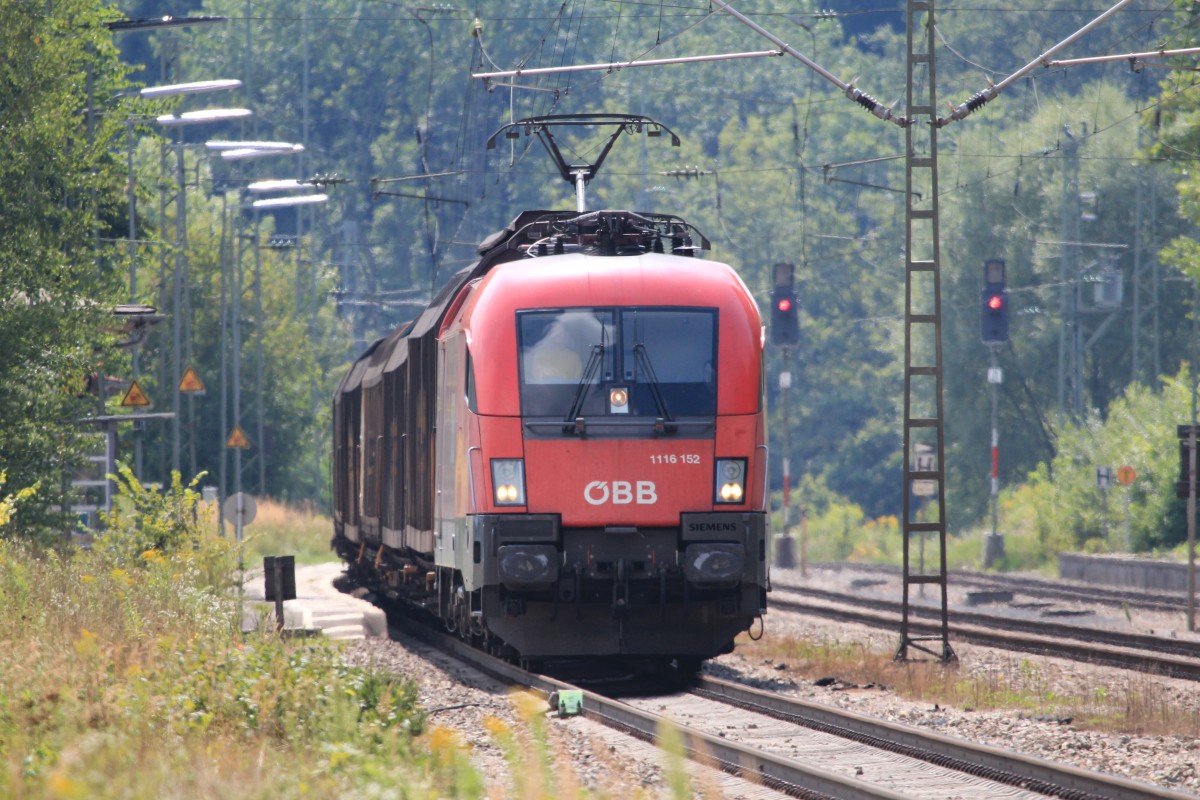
(62, 200)
(789, 170)
(1018, 205)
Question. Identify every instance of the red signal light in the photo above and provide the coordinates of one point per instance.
(785, 304)
(995, 302)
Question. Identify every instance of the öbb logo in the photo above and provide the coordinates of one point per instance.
(620, 493)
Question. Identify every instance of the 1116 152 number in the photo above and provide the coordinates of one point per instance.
(673, 458)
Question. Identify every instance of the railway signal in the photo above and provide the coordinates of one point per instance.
(1183, 486)
(993, 312)
(785, 320)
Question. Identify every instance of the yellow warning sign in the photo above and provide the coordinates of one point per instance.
(190, 383)
(237, 438)
(134, 396)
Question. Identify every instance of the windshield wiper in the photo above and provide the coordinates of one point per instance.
(664, 414)
(573, 417)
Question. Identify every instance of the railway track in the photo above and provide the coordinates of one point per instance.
(1153, 654)
(799, 749)
(1112, 596)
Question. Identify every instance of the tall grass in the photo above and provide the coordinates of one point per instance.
(283, 530)
(124, 674)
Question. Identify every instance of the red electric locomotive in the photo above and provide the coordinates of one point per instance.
(564, 455)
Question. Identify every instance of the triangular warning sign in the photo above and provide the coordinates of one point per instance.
(190, 383)
(135, 396)
(237, 438)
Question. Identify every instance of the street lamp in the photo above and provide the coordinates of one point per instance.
(282, 185)
(220, 144)
(237, 151)
(287, 202)
(195, 87)
(244, 153)
(206, 115)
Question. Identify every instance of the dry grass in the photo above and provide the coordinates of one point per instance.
(282, 530)
(1134, 703)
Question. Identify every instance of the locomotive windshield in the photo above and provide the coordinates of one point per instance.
(618, 364)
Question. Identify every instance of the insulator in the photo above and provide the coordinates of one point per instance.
(976, 100)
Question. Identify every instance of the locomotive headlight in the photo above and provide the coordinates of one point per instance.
(618, 400)
(508, 481)
(731, 480)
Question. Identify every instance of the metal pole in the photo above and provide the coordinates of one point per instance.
(785, 383)
(137, 426)
(1128, 534)
(259, 363)
(236, 378)
(848, 89)
(1191, 501)
(223, 431)
(177, 306)
(163, 368)
(784, 545)
(994, 384)
(315, 389)
(615, 66)
(1191, 514)
(1136, 365)
(980, 98)
(581, 191)
(1070, 391)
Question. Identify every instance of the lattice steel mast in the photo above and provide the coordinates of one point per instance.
(924, 427)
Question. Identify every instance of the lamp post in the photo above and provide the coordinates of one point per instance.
(259, 206)
(154, 93)
(291, 185)
(231, 319)
(181, 265)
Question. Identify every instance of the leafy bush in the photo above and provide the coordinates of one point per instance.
(830, 528)
(1059, 508)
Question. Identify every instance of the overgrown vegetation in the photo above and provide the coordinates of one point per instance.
(1057, 508)
(125, 675)
(284, 529)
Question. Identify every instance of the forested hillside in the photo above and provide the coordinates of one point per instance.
(1070, 176)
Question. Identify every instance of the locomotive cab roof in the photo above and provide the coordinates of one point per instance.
(610, 233)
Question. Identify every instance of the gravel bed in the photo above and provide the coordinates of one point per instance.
(587, 756)
(459, 699)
